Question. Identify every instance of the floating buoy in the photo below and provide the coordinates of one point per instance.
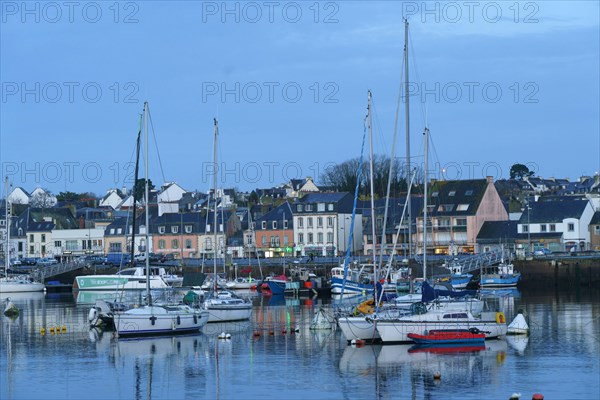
(284, 331)
(515, 396)
(52, 330)
(296, 330)
(271, 332)
(518, 326)
(64, 329)
(43, 331)
(256, 334)
(224, 335)
(437, 375)
(537, 396)
(357, 342)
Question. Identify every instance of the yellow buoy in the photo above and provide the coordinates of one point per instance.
(43, 331)
(64, 329)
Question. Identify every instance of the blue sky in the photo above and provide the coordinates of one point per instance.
(496, 82)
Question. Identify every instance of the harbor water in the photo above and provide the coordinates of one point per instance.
(48, 352)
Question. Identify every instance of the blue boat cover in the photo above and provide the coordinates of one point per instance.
(429, 294)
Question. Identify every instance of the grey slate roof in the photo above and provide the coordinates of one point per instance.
(496, 231)
(555, 210)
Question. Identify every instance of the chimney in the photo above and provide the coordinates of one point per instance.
(490, 179)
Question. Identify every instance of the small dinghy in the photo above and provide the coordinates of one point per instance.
(447, 336)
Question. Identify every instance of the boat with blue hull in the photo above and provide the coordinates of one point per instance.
(357, 281)
(499, 276)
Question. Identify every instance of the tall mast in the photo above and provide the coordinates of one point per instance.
(425, 206)
(373, 219)
(216, 129)
(408, 215)
(148, 295)
(7, 245)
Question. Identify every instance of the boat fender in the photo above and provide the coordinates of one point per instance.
(500, 318)
(92, 315)
(195, 319)
(178, 320)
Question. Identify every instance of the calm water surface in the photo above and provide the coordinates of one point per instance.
(560, 359)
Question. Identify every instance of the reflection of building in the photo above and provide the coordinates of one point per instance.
(595, 232)
(456, 210)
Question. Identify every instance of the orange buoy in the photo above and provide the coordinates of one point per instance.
(357, 342)
(256, 334)
(537, 396)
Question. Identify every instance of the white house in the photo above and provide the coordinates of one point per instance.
(19, 196)
(77, 242)
(168, 198)
(113, 198)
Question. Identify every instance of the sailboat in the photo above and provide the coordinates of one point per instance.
(222, 305)
(154, 319)
(18, 283)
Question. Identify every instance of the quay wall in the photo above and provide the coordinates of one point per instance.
(559, 272)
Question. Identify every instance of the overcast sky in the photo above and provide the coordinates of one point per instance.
(496, 83)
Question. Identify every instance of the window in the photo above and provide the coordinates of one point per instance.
(329, 207)
(174, 244)
(43, 249)
(309, 222)
(161, 229)
(310, 238)
(434, 194)
(272, 241)
(57, 243)
(188, 229)
(285, 240)
(71, 245)
(161, 244)
(309, 207)
(300, 208)
(462, 207)
(207, 227)
(119, 231)
(319, 222)
(31, 238)
(114, 247)
(321, 207)
(300, 222)
(452, 193)
(43, 238)
(274, 224)
(445, 207)
(31, 249)
(329, 237)
(188, 243)
(525, 228)
(597, 230)
(543, 228)
(208, 244)
(301, 238)
(285, 224)
(112, 231)
(320, 237)
(571, 227)
(461, 222)
(174, 229)
(330, 222)
(264, 241)
(264, 225)
(552, 227)
(469, 193)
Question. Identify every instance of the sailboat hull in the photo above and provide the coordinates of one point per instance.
(117, 282)
(157, 320)
(349, 287)
(9, 285)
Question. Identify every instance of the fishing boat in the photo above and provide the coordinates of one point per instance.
(448, 336)
(222, 305)
(155, 319)
(356, 280)
(502, 275)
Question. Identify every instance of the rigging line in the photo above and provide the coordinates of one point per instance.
(156, 146)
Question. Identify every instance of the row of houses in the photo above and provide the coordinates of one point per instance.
(463, 216)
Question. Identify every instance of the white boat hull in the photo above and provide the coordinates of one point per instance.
(155, 320)
(9, 285)
(358, 328)
(117, 282)
(226, 313)
(396, 331)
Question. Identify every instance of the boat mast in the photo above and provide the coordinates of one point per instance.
(216, 133)
(148, 295)
(409, 214)
(7, 216)
(426, 133)
(373, 219)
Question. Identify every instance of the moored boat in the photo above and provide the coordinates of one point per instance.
(448, 336)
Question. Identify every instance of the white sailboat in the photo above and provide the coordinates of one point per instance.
(17, 283)
(153, 319)
(222, 305)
